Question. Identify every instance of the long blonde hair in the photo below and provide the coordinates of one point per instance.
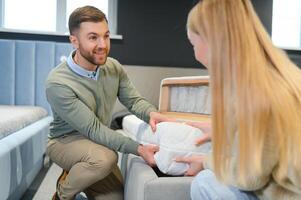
(256, 89)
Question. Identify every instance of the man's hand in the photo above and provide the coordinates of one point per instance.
(147, 153)
(205, 127)
(195, 164)
(156, 117)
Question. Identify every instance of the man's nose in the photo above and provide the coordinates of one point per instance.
(102, 43)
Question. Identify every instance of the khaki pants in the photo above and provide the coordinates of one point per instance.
(92, 168)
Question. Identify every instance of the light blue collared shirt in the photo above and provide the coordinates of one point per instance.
(80, 70)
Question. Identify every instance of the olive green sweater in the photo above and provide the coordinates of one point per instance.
(81, 105)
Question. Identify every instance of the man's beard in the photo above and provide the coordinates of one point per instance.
(92, 58)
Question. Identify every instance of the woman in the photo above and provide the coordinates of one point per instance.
(256, 107)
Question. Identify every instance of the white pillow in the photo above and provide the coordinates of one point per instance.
(138, 130)
(177, 139)
(174, 139)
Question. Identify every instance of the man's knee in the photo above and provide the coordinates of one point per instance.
(104, 163)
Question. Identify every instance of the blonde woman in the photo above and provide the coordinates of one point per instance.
(256, 107)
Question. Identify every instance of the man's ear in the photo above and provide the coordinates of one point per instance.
(74, 41)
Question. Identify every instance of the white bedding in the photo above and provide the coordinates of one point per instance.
(174, 139)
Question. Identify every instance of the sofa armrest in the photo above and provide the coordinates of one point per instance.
(166, 188)
(138, 174)
(142, 182)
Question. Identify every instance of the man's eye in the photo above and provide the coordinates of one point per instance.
(93, 38)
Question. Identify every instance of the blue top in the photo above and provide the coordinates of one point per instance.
(80, 70)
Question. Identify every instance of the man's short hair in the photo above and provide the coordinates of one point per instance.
(85, 14)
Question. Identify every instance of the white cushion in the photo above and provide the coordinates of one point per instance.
(174, 139)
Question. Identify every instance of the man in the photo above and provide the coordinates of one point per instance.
(82, 92)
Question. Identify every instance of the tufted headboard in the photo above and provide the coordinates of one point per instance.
(24, 66)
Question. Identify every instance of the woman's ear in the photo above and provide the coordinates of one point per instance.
(74, 41)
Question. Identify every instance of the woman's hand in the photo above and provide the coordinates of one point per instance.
(195, 164)
(205, 127)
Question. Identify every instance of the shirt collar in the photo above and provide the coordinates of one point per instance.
(80, 70)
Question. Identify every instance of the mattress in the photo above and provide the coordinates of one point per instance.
(21, 158)
(14, 118)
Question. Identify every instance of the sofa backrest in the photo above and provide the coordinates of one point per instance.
(24, 66)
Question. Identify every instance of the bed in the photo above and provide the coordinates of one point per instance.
(23, 137)
(24, 112)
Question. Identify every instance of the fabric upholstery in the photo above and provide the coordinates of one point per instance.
(24, 73)
(24, 66)
(21, 158)
(141, 182)
(14, 118)
(7, 72)
(191, 99)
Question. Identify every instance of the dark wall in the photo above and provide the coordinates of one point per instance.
(264, 9)
(154, 33)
